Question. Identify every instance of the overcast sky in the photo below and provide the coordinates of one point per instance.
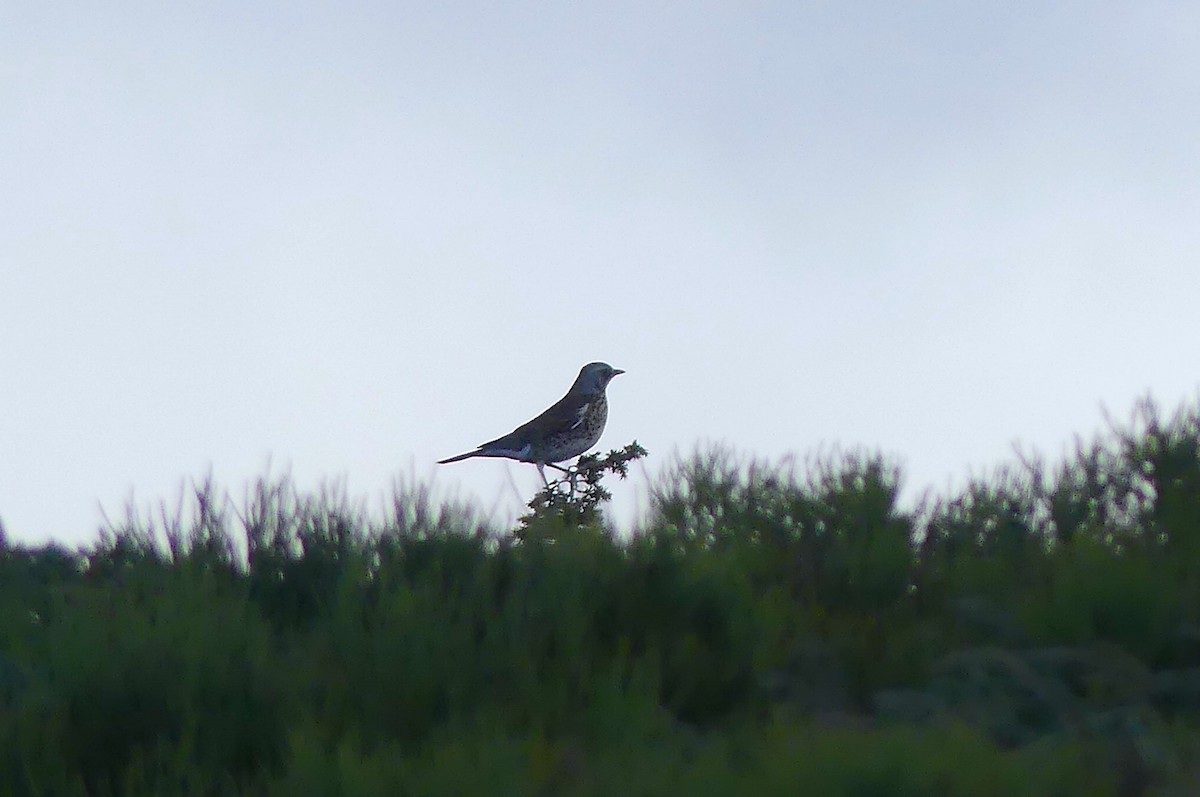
(351, 239)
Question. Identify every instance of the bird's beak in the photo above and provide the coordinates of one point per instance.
(617, 371)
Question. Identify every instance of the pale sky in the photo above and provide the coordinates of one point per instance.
(352, 239)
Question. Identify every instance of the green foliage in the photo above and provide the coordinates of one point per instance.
(770, 629)
(129, 675)
(1095, 593)
(835, 537)
(574, 499)
(648, 760)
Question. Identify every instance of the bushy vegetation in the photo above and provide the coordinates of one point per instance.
(769, 629)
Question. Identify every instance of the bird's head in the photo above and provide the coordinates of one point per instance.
(594, 377)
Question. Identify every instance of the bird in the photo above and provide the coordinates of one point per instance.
(571, 426)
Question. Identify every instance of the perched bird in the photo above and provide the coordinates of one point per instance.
(570, 427)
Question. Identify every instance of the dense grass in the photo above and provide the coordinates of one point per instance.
(768, 630)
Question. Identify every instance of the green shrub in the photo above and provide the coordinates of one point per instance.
(769, 630)
(1093, 592)
(161, 663)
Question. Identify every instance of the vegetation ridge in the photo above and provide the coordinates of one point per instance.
(766, 630)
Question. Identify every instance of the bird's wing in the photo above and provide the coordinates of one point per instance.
(565, 414)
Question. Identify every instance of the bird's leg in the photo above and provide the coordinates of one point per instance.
(558, 468)
(542, 471)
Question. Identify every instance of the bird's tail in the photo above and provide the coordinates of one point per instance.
(467, 455)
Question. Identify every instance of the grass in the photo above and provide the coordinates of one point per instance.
(767, 630)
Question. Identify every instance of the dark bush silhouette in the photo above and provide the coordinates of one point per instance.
(767, 629)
